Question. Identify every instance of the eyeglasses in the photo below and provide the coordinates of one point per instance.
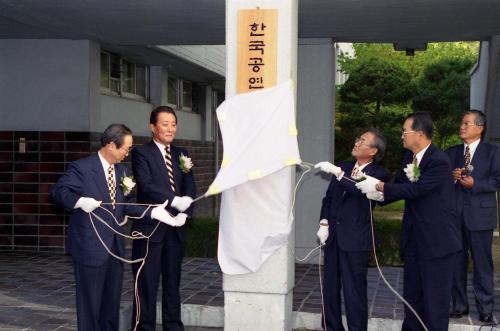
(125, 148)
(404, 133)
(467, 124)
(361, 141)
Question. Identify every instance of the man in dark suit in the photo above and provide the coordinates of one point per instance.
(345, 226)
(430, 238)
(84, 186)
(163, 172)
(477, 178)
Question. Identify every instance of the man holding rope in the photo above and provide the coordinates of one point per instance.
(345, 229)
(163, 172)
(430, 238)
(91, 188)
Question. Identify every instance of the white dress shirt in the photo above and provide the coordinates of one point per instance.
(420, 154)
(472, 147)
(105, 166)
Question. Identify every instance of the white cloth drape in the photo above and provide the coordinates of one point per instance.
(260, 143)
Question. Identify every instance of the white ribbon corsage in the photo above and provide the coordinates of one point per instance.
(185, 163)
(127, 184)
(412, 171)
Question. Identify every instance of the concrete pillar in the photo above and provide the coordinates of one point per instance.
(315, 120)
(479, 78)
(262, 300)
(157, 86)
(492, 104)
(207, 126)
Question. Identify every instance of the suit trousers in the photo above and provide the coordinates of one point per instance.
(427, 288)
(346, 270)
(165, 258)
(479, 244)
(98, 294)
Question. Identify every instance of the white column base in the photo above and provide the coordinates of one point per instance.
(257, 311)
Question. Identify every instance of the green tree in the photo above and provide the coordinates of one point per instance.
(416, 64)
(444, 91)
(375, 95)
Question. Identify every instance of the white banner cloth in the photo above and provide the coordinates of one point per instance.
(260, 138)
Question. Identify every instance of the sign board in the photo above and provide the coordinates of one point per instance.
(257, 49)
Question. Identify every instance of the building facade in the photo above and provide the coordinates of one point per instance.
(58, 95)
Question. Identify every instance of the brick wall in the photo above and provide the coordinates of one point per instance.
(28, 219)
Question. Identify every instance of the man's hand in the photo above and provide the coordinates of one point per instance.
(323, 231)
(377, 196)
(180, 219)
(368, 185)
(182, 203)
(160, 213)
(466, 181)
(457, 173)
(88, 205)
(329, 168)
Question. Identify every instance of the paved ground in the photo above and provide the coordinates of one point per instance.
(496, 254)
(37, 292)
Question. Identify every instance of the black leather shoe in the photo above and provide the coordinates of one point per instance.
(459, 314)
(486, 318)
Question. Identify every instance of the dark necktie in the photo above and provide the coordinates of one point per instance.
(111, 185)
(467, 157)
(170, 169)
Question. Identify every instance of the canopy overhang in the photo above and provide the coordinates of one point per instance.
(202, 22)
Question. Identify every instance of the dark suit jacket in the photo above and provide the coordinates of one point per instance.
(478, 204)
(348, 210)
(153, 186)
(86, 178)
(430, 213)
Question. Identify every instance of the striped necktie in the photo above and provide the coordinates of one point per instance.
(170, 169)
(467, 157)
(355, 172)
(414, 160)
(111, 185)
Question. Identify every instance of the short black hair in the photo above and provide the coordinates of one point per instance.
(379, 142)
(422, 121)
(479, 120)
(115, 133)
(153, 118)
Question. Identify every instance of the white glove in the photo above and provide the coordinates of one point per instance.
(377, 196)
(88, 205)
(323, 231)
(182, 203)
(180, 219)
(161, 214)
(368, 185)
(329, 168)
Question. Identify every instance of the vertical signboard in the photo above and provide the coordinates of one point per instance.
(257, 49)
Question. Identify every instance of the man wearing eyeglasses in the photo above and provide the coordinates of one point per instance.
(88, 183)
(430, 236)
(477, 178)
(345, 228)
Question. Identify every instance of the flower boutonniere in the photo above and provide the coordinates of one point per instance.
(412, 171)
(127, 184)
(359, 177)
(185, 163)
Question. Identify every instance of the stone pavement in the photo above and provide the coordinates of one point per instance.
(37, 293)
